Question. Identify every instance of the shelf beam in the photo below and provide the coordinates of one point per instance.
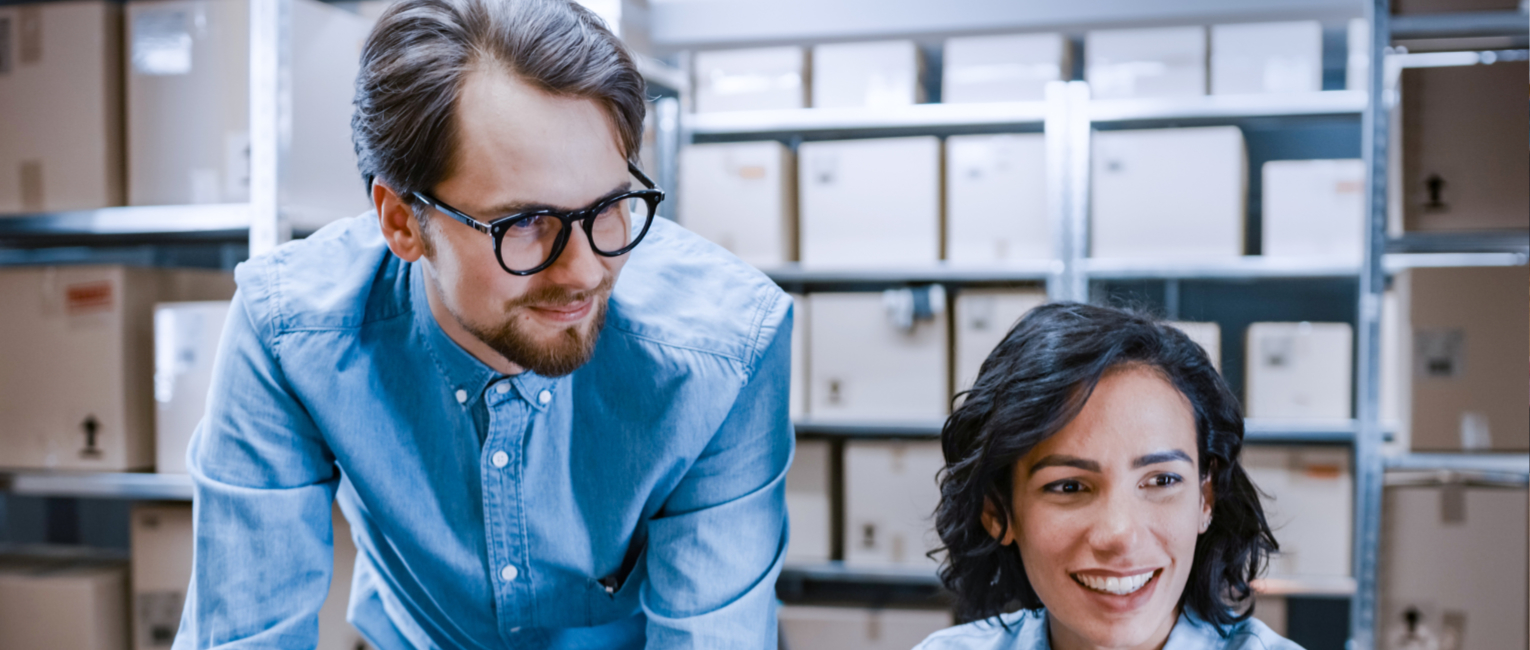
(101, 485)
(815, 120)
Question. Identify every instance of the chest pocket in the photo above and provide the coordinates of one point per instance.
(615, 596)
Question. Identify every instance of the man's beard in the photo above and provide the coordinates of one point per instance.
(569, 348)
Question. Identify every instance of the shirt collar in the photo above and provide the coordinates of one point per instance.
(460, 369)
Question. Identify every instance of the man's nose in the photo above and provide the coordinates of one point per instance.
(579, 267)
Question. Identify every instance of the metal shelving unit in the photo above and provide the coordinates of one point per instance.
(97, 485)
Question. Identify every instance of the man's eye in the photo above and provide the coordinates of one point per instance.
(529, 223)
(1065, 487)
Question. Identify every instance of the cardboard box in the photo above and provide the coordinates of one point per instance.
(865, 367)
(627, 19)
(1155, 62)
(1267, 58)
(1469, 349)
(807, 502)
(1168, 193)
(1357, 63)
(1003, 68)
(996, 199)
(61, 95)
(870, 202)
(1314, 208)
(797, 406)
(188, 134)
(890, 500)
(767, 78)
(186, 336)
(1307, 498)
(1206, 335)
(61, 604)
(880, 74)
(77, 362)
(983, 318)
(1463, 162)
(805, 627)
(1456, 556)
(1300, 371)
(163, 543)
(740, 196)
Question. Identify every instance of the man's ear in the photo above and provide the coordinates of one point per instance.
(400, 227)
(993, 522)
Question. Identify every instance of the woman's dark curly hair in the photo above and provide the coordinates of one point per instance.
(1033, 385)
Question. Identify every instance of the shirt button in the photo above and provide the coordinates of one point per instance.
(500, 459)
(502, 388)
(461, 396)
(544, 396)
(509, 573)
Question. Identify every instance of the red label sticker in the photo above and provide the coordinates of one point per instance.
(88, 296)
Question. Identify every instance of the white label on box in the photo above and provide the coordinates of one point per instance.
(161, 43)
(1441, 353)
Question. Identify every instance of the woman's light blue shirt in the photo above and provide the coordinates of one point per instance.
(1028, 631)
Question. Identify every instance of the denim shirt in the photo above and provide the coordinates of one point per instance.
(637, 502)
(1028, 631)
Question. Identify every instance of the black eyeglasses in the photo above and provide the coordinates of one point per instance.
(528, 242)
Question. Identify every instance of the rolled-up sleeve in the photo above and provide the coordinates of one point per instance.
(264, 482)
(717, 545)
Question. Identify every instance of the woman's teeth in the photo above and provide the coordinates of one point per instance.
(1117, 586)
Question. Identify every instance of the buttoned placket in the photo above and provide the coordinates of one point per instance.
(512, 406)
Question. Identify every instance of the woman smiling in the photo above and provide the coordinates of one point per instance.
(1092, 484)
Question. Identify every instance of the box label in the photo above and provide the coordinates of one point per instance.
(89, 297)
(161, 43)
(159, 617)
(1441, 353)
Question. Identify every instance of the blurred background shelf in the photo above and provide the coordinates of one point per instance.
(836, 572)
(1466, 24)
(1228, 107)
(110, 485)
(1246, 267)
(850, 120)
(1273, 432)
(222, 222)
(1465, 242)
(1491, 469)
(798, 275)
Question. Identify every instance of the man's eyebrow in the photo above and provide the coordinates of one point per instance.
(1161, 457)
(517, 207)
(1056, 460)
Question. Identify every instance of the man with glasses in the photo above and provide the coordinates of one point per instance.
(552, 420)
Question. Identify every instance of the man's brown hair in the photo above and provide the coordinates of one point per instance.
(415, 61)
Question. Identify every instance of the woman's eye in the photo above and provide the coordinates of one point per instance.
(1164, 480)
(1065, 487)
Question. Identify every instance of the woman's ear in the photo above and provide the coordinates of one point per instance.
(993, 522)
(400, 228)
(1208, 500)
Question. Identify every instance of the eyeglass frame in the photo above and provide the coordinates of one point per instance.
(497, 228)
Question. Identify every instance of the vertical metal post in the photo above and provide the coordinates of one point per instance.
(1055, 130)
(1080, 130)
(667, 135)
(1368, 436)
(270, 120)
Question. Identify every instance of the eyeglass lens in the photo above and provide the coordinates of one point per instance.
(530, 242)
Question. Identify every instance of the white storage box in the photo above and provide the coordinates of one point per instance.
(1307, 501)
(1468, 381)
(1005, 68)
(1456, 555)
(890, 499)
(805, 627)
(1168, 194)
(1267, 58)
(188, 134)
(1314, 208)
(807, 502)
(983, 318)
(996, 199)
(739, 195)
(77, 362)
(880, 74)
(870, 202)
(865, 367)
(1156, 62)
(770, 78)
(186, 336)
(61, 98)
(1206, 335)
(797, 406)
(1299, 371)
(56, 604)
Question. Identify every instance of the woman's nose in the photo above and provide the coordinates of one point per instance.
(1117, 524)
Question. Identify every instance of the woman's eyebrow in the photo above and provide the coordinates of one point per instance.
(1161, 457)
(1058, 460)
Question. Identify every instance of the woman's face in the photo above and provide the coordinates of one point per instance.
(1107, 511)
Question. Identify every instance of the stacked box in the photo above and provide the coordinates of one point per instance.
(807, 502)
(1468, 381)
(881, 74)
(870, 202)
(996, 199)
(1314, 208)
(805, 627)
(863, 366)
(61, 95)
(1306, 494)
(1004, 68)
(770, 78)
(1168, 193)
(186, 336)
(983, 318)
(890, 499)
(739, 195)
(1156, 62)
(60, 604)
(1206, 335)
(1267, 58)
(1299, 371)
(797, 406)
(77, 362)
